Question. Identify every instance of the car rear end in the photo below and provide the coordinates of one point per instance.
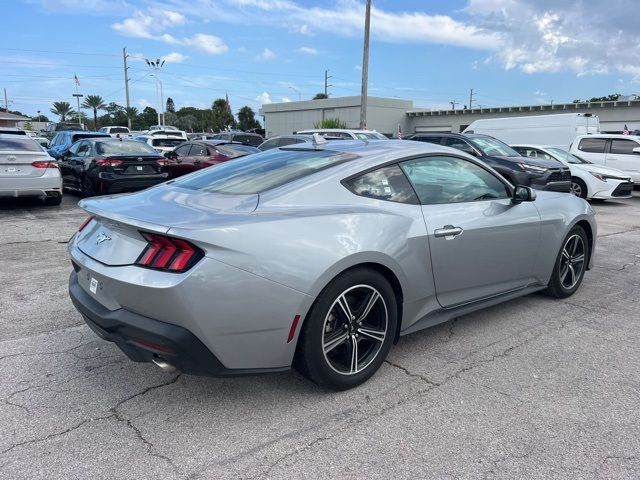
(159, 292)
(126, 166)
(26, 170)
(164, 143)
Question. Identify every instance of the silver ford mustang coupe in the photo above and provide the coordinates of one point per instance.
(319, 255)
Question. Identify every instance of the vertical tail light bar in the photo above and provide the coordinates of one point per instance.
(167, 253)
(86, 222)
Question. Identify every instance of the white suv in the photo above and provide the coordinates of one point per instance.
(344, 133)
(617, 151)
(117, 132)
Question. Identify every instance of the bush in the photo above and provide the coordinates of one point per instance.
(330, 123)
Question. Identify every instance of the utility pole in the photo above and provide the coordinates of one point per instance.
(326, 83)
(365, 68)
(126, 83)
(471, 99)
(6, 102)
(78, 97)
(453, 105)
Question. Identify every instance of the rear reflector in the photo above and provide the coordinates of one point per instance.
(109, 162)
(41, 164)
(162, 161)
(292, 330)
(167, 253)
(86, 222)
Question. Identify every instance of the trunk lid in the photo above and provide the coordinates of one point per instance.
(157, 209)
(136, 164)
(18, 164)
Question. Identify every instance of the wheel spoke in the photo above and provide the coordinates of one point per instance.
(575, 245)
(371, 301)
(353, 368)
(565, 254)
(578, 259)
(573, 275)
(334, 342)
(377, 335)
(563, 273)
(344, 307)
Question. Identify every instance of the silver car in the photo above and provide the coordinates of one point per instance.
(318, 256)
(27, 170)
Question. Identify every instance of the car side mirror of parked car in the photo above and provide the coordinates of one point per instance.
(636, 150)
(523, 194)
(170, 155)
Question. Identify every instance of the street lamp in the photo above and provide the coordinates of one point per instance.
(297, 91)
(156, 66)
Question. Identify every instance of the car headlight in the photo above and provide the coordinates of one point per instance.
(532, 168)
(603, 178)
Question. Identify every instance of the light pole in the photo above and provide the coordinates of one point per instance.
(297, 91)
(78, 97)
(365, 68)
(156, 66)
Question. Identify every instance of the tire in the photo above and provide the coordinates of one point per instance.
(86, 187)
(565, 278)
(53, 201)
(327, 360)
(579, 188)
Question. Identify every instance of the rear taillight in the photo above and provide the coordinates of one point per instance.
(42, 164)
(108, 162)
(162, 162)
(167, 253)
(86, 222)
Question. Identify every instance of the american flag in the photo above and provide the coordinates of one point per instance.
(625, 131)
(399, 132)
(75, 78)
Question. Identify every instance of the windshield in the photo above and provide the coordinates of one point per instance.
(166, 142)
(124, 148)
(263, 171)
(492, 146)
(20, 144)
(567, 157)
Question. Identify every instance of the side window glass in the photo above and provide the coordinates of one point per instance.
(459, 144)
(198, 150)
(183, 151)
(439, 180)
(83, 149)
(623, 147)
(592, 145)
(287, 141)
(74, 149)
(386, 183)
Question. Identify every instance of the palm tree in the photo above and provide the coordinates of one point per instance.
(131, 113)
(62, 109)
(95, 102)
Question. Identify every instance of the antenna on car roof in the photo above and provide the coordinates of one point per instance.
(319, 139)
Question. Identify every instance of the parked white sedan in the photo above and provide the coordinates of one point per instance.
(588, 180)
(27, 170)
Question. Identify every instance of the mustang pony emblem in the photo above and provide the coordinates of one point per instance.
(102, 237)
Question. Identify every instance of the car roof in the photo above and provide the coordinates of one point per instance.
(609, 135)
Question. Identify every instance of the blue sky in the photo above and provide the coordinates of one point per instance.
(432, 52)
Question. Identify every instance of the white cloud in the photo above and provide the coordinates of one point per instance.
(266, 55)
(174, 57)
(358, 67)
(154, 23)
(308, 50)
(264, 98)
(303, 30)
(286, 100)
(207, 43)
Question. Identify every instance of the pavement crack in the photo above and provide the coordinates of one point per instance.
(413, 375)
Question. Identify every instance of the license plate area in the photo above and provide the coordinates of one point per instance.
(139, 170)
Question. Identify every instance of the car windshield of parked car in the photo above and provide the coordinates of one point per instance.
(124, 148)
(567, 157)
(166, 142)
(20, 145)
(492, 146)
(263, 171)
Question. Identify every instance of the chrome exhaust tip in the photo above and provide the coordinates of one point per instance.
(166, 367)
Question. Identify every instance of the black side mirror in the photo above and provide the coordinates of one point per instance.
(522, 193)
(170, 155)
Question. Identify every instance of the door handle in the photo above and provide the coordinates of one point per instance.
(448, 231)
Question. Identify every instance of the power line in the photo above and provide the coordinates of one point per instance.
(58, 52)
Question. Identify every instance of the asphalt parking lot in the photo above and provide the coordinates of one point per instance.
(533, 388)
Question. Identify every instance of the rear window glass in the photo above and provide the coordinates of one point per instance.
(124, 148)
(236, 150)
(263, 171)
(75, 138)
(20, 144)
(119, 130)
(248, 139)
(166, 142)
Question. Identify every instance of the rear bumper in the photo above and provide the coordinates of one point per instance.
(110, 183)
(42, 186)
(144, 339)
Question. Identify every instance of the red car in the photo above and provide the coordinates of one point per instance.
(192, 156)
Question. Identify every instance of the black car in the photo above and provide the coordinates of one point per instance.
(538, 173)
(110, 165)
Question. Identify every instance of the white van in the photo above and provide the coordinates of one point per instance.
(557, 130)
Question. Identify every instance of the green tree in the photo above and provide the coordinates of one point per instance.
(62, 109)
(132, 115)
(247, 119)
(222, 116)
(330, 123)
(95, 103)
(149, 117)
(27, 126)
(171, 107)
(608, 98)
(320, 96)
(187, 122)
